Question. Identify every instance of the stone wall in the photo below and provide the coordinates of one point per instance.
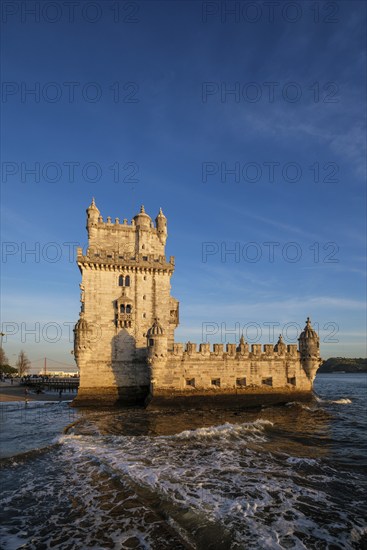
(222, 370)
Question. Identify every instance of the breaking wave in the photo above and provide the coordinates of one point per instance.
(226, 430)
(126, 479)
(343, 401)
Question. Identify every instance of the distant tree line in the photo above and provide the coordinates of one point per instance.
(343, 364)
(23, 364)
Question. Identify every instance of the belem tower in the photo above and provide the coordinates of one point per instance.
(124, 343)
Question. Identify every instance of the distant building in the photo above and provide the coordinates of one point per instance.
(57, 373)
(124, 340)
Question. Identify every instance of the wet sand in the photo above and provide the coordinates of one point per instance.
(15, 392)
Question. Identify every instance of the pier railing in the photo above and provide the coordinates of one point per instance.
(52, 384)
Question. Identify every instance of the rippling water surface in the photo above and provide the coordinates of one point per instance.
(291, 477)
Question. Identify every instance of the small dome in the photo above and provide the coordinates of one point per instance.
(142, 218)
(156, 329)
(308, 331)
(82, 325)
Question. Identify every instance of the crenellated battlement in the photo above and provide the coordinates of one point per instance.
(142, 235)
(232, 351)
(109, 225)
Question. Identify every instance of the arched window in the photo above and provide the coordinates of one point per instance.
(122, 308)
(121, 281)
(128, 308)
(127, 280)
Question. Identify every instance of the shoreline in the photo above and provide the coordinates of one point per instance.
(15, 393)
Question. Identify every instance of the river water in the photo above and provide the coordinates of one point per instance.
(288, 477)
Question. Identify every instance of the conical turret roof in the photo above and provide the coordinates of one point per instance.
(93, 206)
(160, 214)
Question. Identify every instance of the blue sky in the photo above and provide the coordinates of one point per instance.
(249, 134)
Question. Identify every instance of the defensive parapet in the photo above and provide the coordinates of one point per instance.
(241, 371)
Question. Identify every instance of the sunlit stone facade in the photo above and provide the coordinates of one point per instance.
(124, 340)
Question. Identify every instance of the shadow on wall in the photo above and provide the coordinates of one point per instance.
(130, 368)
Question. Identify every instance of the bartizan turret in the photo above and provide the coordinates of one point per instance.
(93, 215)
(142, 220)
(161, 223)
(157, 352)
(309, 347)
(82, 335)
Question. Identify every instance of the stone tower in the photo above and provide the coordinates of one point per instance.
(309, 347)
(125, 287)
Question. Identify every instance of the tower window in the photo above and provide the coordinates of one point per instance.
(124, 281)
(151, 342)
(122, 308)
(128, 308)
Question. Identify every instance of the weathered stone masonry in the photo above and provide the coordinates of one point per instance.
(124, 340)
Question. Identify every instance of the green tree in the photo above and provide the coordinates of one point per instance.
(23, 364)
(7, 369)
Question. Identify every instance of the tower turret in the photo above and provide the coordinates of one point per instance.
(156, 340)
(309, 347)
(157, 353)
(161, 223)
(93, 215)
(82, 335)
(142, 220)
